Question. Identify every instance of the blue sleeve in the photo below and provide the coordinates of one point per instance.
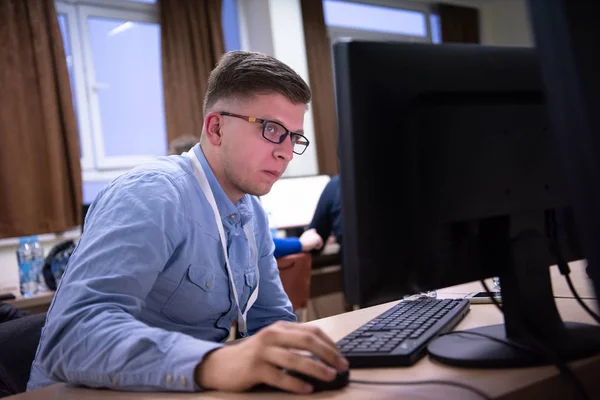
(287, 246)
(92, 335)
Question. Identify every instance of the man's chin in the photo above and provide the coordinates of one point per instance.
(261, 190)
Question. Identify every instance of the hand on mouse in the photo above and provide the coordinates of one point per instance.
(261, 359)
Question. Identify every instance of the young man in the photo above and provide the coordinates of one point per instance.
(176, 250)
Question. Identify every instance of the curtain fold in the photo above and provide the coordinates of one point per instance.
(458, 24)
(192, 43)
(40, 173)
(320, 76)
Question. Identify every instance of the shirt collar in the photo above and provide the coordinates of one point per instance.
(230, 213)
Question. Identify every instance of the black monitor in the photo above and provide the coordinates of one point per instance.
(449, 174)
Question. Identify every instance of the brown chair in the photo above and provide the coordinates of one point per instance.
(295, 273)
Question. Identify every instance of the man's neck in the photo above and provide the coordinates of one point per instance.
(216, 166)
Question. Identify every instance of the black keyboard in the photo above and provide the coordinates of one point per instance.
(399, 336)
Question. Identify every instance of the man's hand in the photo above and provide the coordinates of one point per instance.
(311, 240)
(261, 358)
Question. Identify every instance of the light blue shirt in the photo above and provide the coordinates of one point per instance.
(146, 292)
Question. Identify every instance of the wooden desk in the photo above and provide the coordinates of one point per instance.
(38, 303)
(521, 383)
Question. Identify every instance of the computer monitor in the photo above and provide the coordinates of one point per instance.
(566, 34)
(292, 201)
(449, 174)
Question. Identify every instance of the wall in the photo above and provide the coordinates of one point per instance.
(505, 23)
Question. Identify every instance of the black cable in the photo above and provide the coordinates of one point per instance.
(562, 367)
(581, 303)
(426, 382)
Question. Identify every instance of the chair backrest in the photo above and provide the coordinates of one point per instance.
(295, 273)
(19, 339)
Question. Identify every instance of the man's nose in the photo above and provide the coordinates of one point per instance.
(285, 150)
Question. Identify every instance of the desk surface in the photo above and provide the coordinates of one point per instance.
(520, 383)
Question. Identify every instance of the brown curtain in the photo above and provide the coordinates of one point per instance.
(459, 24)
(192, 43)
(320, 75)
(40, 174)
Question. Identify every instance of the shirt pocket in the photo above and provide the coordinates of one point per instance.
(249, 284)
(197, 299)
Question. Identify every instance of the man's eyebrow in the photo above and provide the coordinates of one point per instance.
(269, 118)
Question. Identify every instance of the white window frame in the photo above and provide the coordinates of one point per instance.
(83, 117)
(96, 166)
(104, 162)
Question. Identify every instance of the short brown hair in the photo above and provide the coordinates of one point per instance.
(242, 74)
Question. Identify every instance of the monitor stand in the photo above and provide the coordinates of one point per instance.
(529, 312)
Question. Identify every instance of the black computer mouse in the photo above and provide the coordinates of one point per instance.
(341, 380)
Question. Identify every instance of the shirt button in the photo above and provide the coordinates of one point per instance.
(183, 381)
(207, 284)
(115, 381)
(169, 379)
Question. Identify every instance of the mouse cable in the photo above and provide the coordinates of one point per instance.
(426, 382)
(562, 367)
(564, 269)
(563, 265)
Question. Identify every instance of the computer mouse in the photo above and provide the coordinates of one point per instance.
(341, 380)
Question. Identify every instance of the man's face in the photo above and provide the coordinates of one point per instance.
(251, 164)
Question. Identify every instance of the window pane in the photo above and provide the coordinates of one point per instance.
(145, 1)
(64, 30)
(231, 31)
(374, 18)
(127, 66)
(436, 34)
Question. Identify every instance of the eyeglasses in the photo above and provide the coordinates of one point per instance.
(274, 132)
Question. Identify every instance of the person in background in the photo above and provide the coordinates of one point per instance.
(283, 246)
(176, 250)
(182, 144)
(327, 219)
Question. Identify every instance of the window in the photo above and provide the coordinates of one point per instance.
(436, 29)
(231, 28)
(370, 21)
(113, 57)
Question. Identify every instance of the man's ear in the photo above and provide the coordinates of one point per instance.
(212, 128)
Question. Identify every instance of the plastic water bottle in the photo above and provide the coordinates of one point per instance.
(27, 277)
(38, 262)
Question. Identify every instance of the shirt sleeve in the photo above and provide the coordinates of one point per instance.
(286, 246)
(92, 335)
(272, 303)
